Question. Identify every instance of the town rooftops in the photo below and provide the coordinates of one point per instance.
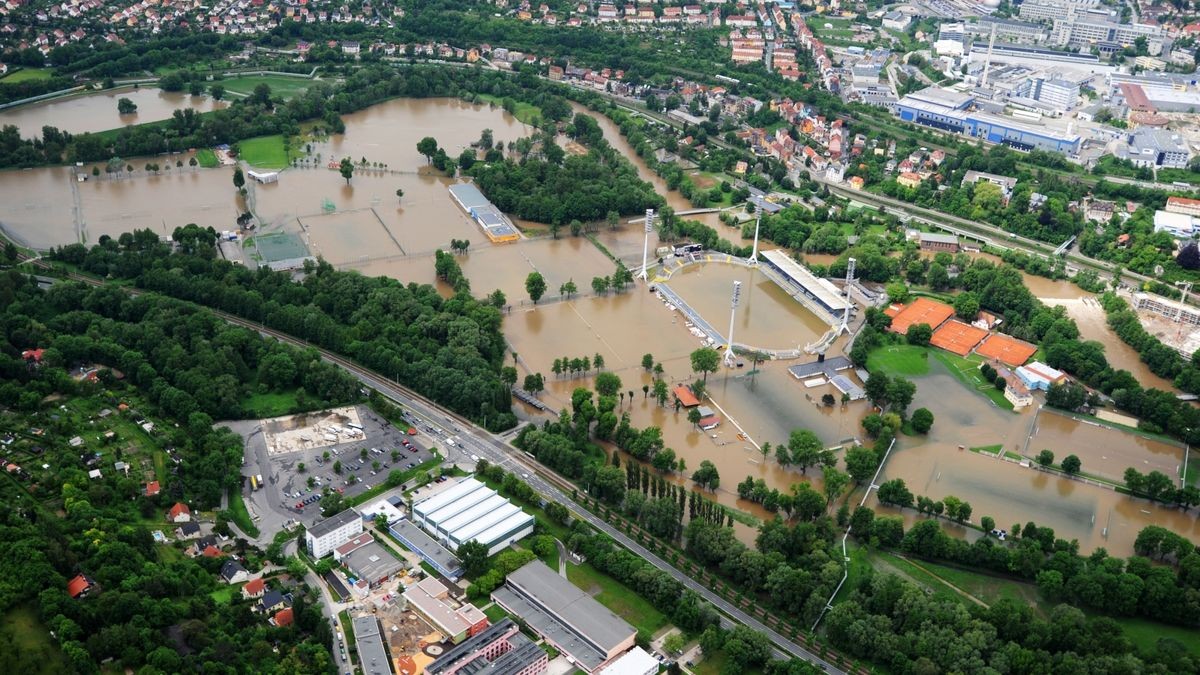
(333, 523)
(353, 545)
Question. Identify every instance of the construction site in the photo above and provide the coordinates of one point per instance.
(1173, 323)
(308, 431)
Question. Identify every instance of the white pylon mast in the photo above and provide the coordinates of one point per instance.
(737, 293)
(757, 222)
(646, 242)
(850, 265)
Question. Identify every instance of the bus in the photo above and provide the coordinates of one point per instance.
(685, 249)
(253, 482)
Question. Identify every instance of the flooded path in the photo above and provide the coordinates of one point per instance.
(97, 111)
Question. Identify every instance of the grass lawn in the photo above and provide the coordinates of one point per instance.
(621, 600)
(406, 476)
(222, 596)
(526, 113)
(160, 466)
(35, 651)
(967, 372)
(495, 613)
(271, 404)
(239, 514)
(860, 562)
(265, 152)
(206, 158)
(714, 664)
(1145, 634)
(906, 360)
(286, 87)
(27, 74)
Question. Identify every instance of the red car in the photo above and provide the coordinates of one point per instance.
(412, 431)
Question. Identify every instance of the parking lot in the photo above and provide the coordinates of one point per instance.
(293, 482)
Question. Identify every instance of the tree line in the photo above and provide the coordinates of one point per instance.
(145, 613)
(449, 350)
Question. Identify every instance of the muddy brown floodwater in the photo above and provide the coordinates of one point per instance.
(97, 111)
(1097, 516)
(362, 226)
(767, 317)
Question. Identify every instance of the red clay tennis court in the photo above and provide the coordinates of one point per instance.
(1007, 350)
(957, 337)
(922, 310)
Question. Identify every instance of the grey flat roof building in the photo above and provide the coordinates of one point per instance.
(333, 522)
(373, 562)
(565, 615)
(425, 546)
(371, 653)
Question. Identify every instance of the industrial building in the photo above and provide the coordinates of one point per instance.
(636, 661)
(1172, 309)
(415, 540)
(498, 228)
(471, 511)
(372, 655)
(1157, 149)
(1048, 10)
(367, 560)
(323, 537)
(1085, 33)
(499, 649)
(1038, 57)
(1178, 225)
(565, 616)
(1007, 30)
(431, 599)
(816, 293)
(949, 111)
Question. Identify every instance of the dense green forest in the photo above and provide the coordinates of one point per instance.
(447, 350)
(190, 367)
(552, 187)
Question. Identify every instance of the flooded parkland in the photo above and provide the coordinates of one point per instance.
(364, 227)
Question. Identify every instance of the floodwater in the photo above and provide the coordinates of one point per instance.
(1104, 451)
(1093, 325)
(766, 317)
(936, 467)
(98, 111)
(389, 132)
(362, 226)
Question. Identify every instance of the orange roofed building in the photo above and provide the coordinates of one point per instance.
(686, 398)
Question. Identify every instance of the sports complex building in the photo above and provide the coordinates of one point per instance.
(498, 228)
(469, 510)
(817, 294)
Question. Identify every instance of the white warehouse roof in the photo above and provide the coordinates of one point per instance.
(469, 510)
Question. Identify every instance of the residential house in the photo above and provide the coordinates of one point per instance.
(233, 572)
(272, 601)
(187, 531)
(909, 179)
(282, 618)
(80, 586)
(180, 513)
(151, 489)
(254, 588)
